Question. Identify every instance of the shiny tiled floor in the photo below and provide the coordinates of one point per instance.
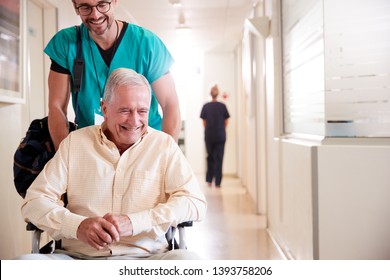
(231, 229)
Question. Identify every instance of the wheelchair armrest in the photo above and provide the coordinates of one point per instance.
(170, 236)
(182, 234)
(36, 237)
(185, 224)
(36, 240)
(32, 227)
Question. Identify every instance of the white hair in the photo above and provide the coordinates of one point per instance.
(124, 77)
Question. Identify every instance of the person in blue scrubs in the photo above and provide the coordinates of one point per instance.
(107, 44)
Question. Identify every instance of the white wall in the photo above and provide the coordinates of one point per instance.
(248, 117)
(15, 118)
(326, 199)
(291, 163)
(292, 226)
(353, 200)
(188, 75)
(13, 237)
(66, 13)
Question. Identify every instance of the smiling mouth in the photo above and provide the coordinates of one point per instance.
(97, 22)
(129, 128)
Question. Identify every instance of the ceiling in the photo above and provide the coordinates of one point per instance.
(216, 24)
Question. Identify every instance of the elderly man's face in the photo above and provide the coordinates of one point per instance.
(126, 115)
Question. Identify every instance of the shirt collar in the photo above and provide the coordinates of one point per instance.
(103, 140)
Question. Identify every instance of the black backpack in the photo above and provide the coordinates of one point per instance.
(33, 152)
(37, 148)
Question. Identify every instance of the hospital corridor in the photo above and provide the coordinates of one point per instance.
(307, 87)
(231, 230)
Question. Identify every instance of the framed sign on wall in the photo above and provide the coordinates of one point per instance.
(12, 51)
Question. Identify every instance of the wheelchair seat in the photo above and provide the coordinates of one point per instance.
(49, 248)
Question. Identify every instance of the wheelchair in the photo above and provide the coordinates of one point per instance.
(173, 243)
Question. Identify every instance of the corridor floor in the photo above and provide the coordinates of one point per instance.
(231, 229)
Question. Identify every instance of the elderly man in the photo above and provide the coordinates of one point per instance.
(126, 184)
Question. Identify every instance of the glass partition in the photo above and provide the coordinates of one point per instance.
(336, 67)
(357, 68)
(303, 67)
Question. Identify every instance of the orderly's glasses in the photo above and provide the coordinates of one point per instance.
(85, 9)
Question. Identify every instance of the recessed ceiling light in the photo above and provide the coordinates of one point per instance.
(175, 3)
(182, 28)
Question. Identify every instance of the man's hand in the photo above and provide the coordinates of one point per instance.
(122, 224)
(97, 232)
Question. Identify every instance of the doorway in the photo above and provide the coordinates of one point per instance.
(41, 25)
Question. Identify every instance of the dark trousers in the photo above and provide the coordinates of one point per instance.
(215, 153)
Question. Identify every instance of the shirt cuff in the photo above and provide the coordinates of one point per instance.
(70, 225)
(141, 222)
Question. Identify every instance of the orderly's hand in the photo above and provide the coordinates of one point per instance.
(122, 224)
(97, 232)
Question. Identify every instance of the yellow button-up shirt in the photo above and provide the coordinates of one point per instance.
(151, 182)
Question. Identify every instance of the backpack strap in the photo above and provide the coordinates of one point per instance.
(78, 71)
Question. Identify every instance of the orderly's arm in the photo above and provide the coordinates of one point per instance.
(59, 95)
(165, 92)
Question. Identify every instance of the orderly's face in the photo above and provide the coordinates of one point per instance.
(126, 115)
(97, 22)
